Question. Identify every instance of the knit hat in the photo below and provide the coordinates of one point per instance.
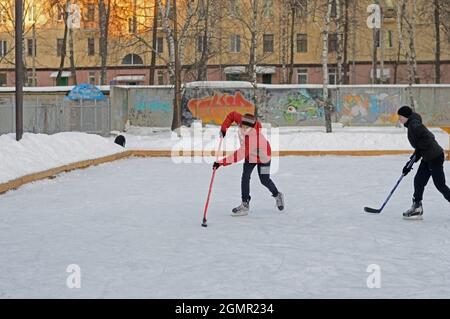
(249, 120)
(405, 111)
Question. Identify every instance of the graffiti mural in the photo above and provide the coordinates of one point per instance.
(368, 108)
(212, 109)
(152, 103)
(150, 107)
(292, 107)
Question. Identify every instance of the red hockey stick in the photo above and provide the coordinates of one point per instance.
(204, 224)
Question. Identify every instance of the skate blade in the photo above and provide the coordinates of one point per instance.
(413, 217)
(239, 214)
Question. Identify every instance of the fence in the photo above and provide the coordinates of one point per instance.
(49, 111)
(283, 105)
(52, 112)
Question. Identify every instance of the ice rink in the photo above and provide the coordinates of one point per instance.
(133, 228)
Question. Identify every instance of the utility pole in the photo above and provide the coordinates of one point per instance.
(19, 69)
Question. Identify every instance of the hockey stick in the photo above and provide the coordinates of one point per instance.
(377, 211)
(204, 224)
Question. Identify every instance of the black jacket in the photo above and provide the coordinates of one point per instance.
(422, 139)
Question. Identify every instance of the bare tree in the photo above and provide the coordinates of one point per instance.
(63, 49)
(437, 34)
(104, 12)
(325, 35)
(154, 43)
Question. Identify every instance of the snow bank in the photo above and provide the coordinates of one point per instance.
(40, 152)
(282, 138)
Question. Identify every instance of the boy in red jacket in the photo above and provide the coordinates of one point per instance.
(255, 149)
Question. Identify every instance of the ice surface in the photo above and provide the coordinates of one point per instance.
(133, 226)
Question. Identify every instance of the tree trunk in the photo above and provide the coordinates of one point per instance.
(64, 45)
(104, 15)
(203, 64)
(176, 120)
(72, 58)
(326, 103)
(437, 30)
(254, 43)
(292, 54)
(284, 40)
(154, 44)
(340, 39)
(346, 30)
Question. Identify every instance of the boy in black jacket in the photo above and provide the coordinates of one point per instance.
(432, 165)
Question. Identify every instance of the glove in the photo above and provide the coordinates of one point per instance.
(216, 165)
(223, 133)
(406, 169)
(418, 157)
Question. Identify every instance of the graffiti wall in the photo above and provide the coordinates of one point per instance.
(434, 105)
(280, 106)
(291, 107)
(211, 106)
(150, 106)
(367, 106)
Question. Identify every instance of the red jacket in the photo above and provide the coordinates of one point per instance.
(254, 146)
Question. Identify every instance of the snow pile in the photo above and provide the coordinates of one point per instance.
(40, 152)
(281, 138)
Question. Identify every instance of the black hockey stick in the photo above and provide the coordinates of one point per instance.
(377, 211)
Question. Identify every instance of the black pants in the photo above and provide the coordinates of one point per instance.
(264, 177)
(435, 169)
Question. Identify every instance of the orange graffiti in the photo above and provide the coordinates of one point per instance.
(214, 109)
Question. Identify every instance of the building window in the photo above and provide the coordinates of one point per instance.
(302, 76)
(332, 76)
(301, 8)
(92, 77)
(61, 12)
(332, 42)
(90, 15)
(268, 8)
(91, 46)
(59, 47)
(389, 39)
(267, 78)
(3, 79)
(3, 48)
(31, 46)
(302, 42)
(160, 45)
(201, 9)
(333, 9)
(268, 43)
(235, 43)
(31, 79)
(132, 25)
(3, 16)
(160, 77)
(31, 13)
(160, 19)
(200, 40)
(132, 59)
(234, 8)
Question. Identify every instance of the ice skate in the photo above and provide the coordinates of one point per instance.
(241, 210)
(415, 212)
(280, 200)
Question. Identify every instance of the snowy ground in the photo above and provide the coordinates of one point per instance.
(133, 227)
(281, 138)
(39, 152)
